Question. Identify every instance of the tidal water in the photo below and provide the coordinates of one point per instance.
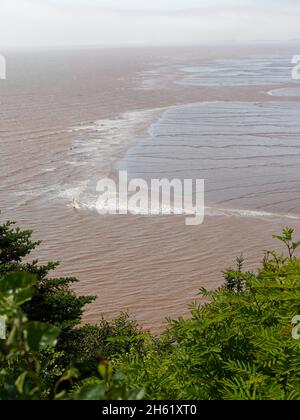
(69, 118)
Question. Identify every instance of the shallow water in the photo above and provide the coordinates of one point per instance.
(247, 153)
(246, 71)
(70, 117)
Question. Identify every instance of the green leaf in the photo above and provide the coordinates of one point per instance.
(92, 392)
(70, 375)
(105, 371)
(296, 245)
(15, 282)
(41, 336)
(288, 233)
(280, 238)
(23, 296)
(20, 382)
(136, 395)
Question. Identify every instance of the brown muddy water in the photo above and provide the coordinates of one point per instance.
(69, 118)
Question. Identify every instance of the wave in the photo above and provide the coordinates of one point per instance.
(109, 207)
(285, 92)
(215, 211)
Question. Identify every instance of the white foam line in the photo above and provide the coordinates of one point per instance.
(249, 213)
(209, 211)
(283, 92)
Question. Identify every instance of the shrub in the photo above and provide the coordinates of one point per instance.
(238, 346)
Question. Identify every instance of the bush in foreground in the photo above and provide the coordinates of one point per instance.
(239, 346)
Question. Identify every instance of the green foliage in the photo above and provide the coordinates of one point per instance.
(110, 386)
(50, 300)
(236, 347)
(45, 340)
(287, 239)
(20, 367)
(235, 279)
(86, 345)
(22, 372)
(53, 302)
(15, 244)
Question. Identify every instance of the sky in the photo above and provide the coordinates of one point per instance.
(146, 22)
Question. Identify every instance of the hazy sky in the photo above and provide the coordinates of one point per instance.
(146, 22)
